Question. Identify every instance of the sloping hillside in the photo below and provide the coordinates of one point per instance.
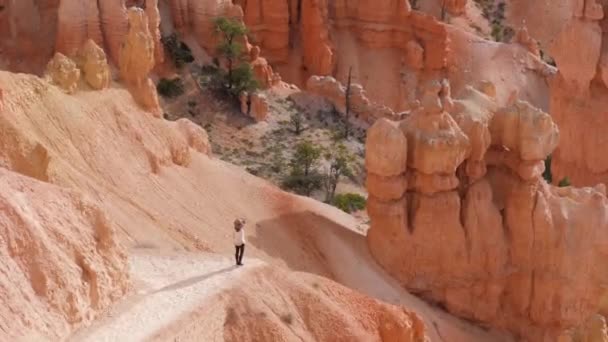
(163, 193)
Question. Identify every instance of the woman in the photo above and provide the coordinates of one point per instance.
(239, 240)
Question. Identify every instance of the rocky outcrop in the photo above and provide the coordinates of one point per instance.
(254, 105)
(195, 135)
(461, 216)
(92, 62)
(89, 62)
(153, 14)
(523, 37)
(362, 108)
(137, 60)
(262, 71)
(59, 259)
(63, 72)
(259, 107)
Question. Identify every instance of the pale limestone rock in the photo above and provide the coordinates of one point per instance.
(137, 60)
(258, 109)
(436, 145)
(153, 14)
(63, 72)
(386, 149)
(526, 131)
(196, 136)
(91, 60)
(254, 105)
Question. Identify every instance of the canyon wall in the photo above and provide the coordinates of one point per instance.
(392, 49)
(326, 38)
(461, 215)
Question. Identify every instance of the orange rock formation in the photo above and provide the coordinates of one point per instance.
(507, 249)
(254, 105)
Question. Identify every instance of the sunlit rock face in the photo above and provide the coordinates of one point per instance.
(461, 215)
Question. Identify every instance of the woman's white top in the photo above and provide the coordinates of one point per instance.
(239, 237)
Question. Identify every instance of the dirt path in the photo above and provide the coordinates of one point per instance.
(166, 287)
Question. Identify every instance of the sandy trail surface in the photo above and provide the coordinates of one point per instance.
(166, 288)
(171, 287)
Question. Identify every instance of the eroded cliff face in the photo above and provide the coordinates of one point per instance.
(574, 34)
(392, 49)
(27, 34)
(326, 38)
(61, 263)
(579, 96)
(32, 31)
(460, 215)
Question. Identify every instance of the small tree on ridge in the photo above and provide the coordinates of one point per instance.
(239, 74)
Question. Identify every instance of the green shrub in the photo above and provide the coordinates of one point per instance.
(238, 76)
(564, 182)
(243, 79)
(303, 184)
(304, 177)
(277, 161)
(349, 202)
(179, 53)
(547, 174)
(252, 170)
(170, 88)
